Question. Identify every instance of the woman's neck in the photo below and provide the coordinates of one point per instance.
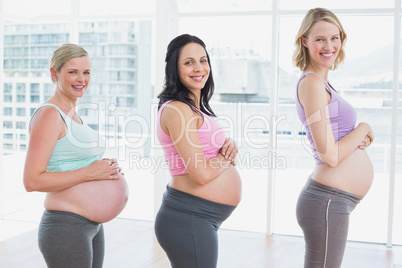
(66, 104)
(196, 97)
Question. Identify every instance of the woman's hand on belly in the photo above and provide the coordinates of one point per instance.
(366, 143)
(98, 200)
(105, 169)
(229, 150)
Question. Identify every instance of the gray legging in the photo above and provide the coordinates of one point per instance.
(323, 214)
(68, 240)
(186, 228)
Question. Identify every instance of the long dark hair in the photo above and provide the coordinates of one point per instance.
(173, 88)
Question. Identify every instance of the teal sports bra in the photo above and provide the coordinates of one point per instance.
(79, 148)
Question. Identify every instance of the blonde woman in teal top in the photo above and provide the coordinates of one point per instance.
(65, 160)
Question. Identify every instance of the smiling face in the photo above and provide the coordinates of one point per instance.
(193, 67)
(73, 78)
(323, 44)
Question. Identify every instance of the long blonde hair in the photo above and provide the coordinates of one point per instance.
(64, 53)
(300, 55)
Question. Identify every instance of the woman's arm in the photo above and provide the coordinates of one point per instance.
(46, 128)
(181, 125)
(314, 98)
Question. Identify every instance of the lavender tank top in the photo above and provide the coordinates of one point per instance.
(341, 113)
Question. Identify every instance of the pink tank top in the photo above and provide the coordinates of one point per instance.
(341, 113)
(210, 134)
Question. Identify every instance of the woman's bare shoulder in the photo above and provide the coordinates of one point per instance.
(177, 109)
(311, 88)
(46, 118)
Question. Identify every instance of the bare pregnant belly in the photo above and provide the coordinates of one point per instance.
(354, 174)
(225, 189)
(98, 201)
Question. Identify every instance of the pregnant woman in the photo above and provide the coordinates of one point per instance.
(343, 173)
(64, 159)
(205, 186)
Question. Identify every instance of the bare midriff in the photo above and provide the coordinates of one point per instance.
(98, 201)
(225, 189)
(353, 175)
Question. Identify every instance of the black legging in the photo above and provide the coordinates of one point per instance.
(323, 214)
(68, 240)
(186, 228)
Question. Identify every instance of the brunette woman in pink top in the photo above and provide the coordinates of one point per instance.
(205, 186)
(343, 173)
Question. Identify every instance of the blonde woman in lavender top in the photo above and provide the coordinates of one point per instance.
(343, 172)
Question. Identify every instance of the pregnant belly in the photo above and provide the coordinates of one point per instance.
(98, 201)
(354, 174)
(225, 189)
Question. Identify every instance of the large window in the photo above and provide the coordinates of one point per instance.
(115, 48)
(240, 67)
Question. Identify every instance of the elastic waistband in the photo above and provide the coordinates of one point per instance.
(322, 190)
(192, 204)
(72, 215)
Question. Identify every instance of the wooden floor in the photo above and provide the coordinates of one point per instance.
(132, 244)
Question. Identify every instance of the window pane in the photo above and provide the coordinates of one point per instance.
(20, 88)
(48, 90)
(37, 8)
(122, 113)
(340, 4)
(9, 147)
(8, 88)
(27, 51)
(34, 89)
(7, 111)
(397, 232)
(365, 80)
(223, 5)
(21, 111)
(35, 99)
(299, 163)
(8, 136)
(8, 124)
(240, 68)
(20, 98)
(21, 125)
(8, 98)
(116, 7)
